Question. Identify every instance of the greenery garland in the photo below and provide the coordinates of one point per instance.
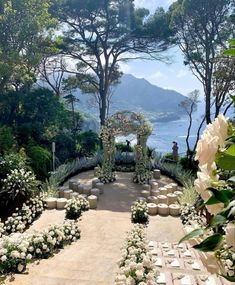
(125, 123)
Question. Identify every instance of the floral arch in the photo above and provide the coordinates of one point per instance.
(125, 123)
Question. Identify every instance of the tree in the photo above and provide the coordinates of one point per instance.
(201, 30)
(99, 34)
(189, 105)
(24, 26)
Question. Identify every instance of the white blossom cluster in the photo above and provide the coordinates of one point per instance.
(19, 181)
(227, 259)
(75, 207)
(136, 265)
(189, 216)
(22, 218)
(212, 139)
(18, 249)
(139, 212)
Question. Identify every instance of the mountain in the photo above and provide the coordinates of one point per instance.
(139, 95)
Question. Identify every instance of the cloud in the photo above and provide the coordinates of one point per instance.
(182, 73)
(155, 75)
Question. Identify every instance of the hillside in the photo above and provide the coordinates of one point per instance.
(136, 94)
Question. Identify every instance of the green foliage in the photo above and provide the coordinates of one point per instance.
(20, 183)
(40, 161)
(7, 140)
(123, 147)
(23, 40)
(189, 195)
(12, 161)
(65, 146)
(88, 143)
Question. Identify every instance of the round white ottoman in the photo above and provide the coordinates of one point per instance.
(67, 194)
(100, 186)
(141, 199)
(174, 186)
(94, 181)
(86, 190)
(74, 195)
(146, 187)
(145, 193)
(83, 196)
(60, 203)
(172, 198)
(155, 193)
(154, 186)
(163, 191)
(51, 203)
(152, 199)
(96, 171)
(71, 181)
(95, 192)
(163, 209)
(152, 209)
(178, 193)
(80, 188)
(151, 181)
(174, 210)
(162, 199)
(156, 173)
(92, 201)
(61, 191)
(169, 188)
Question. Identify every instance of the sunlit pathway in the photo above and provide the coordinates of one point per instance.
(93, 259)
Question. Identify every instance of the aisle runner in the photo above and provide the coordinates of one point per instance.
(179, 264)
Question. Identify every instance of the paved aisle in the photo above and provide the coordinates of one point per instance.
(92, 260)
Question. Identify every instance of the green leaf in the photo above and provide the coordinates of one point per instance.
(231, 150)
(232, 179)
(226, 161)
(209, 244)
(211, 201)
(224, 196)
(217, 220)
(233, 98)
(230, 52)
(194, 233)
(231, 42)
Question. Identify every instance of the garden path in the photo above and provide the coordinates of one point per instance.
(93, 259)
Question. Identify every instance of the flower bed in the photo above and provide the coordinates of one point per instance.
(139, 212)
(18, 249)
(136, 265)
(75, 207)
(21, 219)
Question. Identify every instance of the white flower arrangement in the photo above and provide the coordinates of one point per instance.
(136, 265)
(139, 212)
(75, 207)
(212, 140)
(189, 216)
(18, 249)
(20, 181)
(21, 219)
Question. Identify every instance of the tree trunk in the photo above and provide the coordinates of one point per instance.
(103, 108)
(208, 103)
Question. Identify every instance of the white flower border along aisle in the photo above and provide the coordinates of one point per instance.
(136, 266)
(17, 250)
(216, 157)
(125, 123)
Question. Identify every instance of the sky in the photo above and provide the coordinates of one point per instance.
(176, 75)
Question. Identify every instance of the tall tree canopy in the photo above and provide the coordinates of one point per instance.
(99, 34)
(23, 37)
(201, 31)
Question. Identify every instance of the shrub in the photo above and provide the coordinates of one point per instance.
(75, 208)
(20, 182)
(7, 139)
(88, 143)
(122, 147)
(139, 212)
(12, 161)
(40, 160)
(189, 195)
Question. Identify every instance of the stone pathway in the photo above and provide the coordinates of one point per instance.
(93, 259)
